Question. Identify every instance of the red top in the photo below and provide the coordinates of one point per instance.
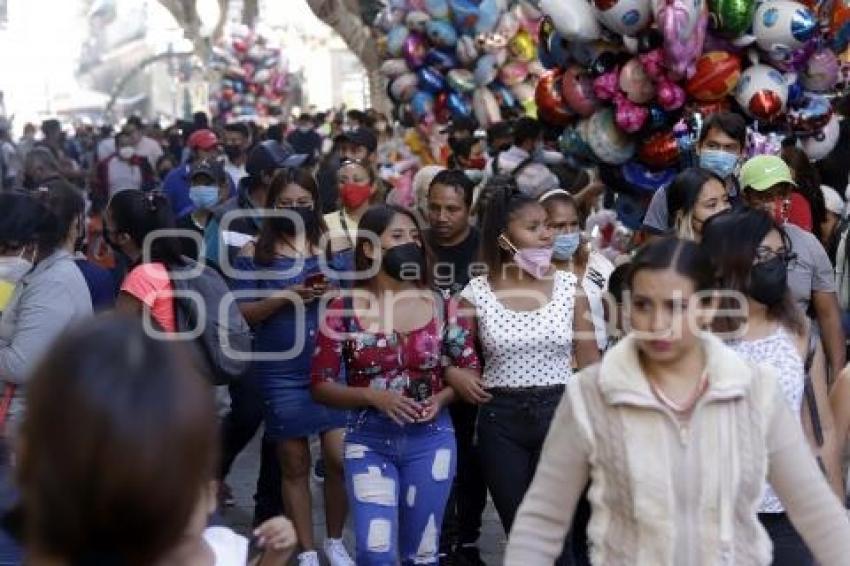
(800, 212)
(410, 363)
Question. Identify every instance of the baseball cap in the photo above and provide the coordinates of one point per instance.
(833, 201)
(360, 136)
(202, 139)
(269, 155)
(762, 172)
(211, 169)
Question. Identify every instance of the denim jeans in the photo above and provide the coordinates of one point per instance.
(398, 480)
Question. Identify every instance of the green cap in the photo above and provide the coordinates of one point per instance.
(762, 172)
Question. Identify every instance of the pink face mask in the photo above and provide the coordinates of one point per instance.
(534, 261)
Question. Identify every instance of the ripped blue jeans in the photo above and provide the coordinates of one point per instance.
(398, 480)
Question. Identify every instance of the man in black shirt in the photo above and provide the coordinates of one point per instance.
(455, 245)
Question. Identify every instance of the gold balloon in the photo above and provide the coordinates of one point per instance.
(522, 46)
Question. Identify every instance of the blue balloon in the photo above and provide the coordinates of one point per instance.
(486, 69)
(441, 60)
(437, 8)
(422, 104)
(431, 80)
(465, 15)
(641, 177)
(559, 50)
(488, 16)
(441, 33)
(459, 105)
(506, 97)
(395, 40)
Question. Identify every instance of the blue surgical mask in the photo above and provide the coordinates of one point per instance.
(203, 196)
(721, 163)
(565, 245)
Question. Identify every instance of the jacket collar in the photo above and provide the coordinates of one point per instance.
(621, 379)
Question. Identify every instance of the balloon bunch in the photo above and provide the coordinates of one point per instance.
(460, 58)
(254, 82)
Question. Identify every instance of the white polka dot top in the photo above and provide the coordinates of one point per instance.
(525, 348)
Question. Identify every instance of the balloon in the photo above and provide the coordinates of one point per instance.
(461, 80)
(762, 92)
(709, 108)
(488, 16)
(508, 25)
(820, 145)
(625, 17)
(606, 140)
(437, 8)
(415, 49)
(441, 33)
(486, 107)
(781, 26)
(396, 40)
(465, 15)
(421, 104)
(504, 95)
(839, 24)
(730, 18)
(635, 83)
(821, 71)
(416, 21)
(573, 19)
(577, 89)
(459, 105)
(716, 74)
(513, 73)
(431, 80)
(550, 101)
(522, 46)
(388, 18)
(682, 23)
(524, 93)
(392, 68)
(404, 87)
(571, 143)
(643, 179)
(440, 60)
(467, 51)
(486, 70)
(810, 116)
(659, 150)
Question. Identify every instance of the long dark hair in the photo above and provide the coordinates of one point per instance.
(119, 440)
(67, 205)
(807, 178)
(375, 221)
(683, 194)
(732, 241)
(138, 214)
(685, 257)
(500, 201)
(264, 252)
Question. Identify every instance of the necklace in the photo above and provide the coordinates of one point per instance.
(688, 404)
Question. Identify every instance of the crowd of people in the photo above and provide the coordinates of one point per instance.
(417, 347)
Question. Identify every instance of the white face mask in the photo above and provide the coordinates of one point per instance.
(13, 268)
(126, 153)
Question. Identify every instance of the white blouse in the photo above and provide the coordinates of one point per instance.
(525, 348)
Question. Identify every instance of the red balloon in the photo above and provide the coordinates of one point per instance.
(441, 108)
(765, 105)
(717, 73)
(709, 108)
(577, 89)
(550, 100)
(659, 151)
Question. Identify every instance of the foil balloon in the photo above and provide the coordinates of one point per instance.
(625, 17)
(441, 60)
(389, 18)
(573, 145)
(659, 150)
(508, 25)
(781, 26)
(545, 34)
(404, 87)
(464, 15)
(396, 39)
(438, 9)
(513, 73)
(422, 104)
(461, 80)
(819, 146)
(431, 80)
(574, 20)
(392, 68)
(821, 71)
(682, 24)
(441, 112)
(708, 108)
(441, 33)
(715, 75)
(839, 24)
(809, 116)
(491, 42)
(504, 95)
(524, 93)
(731, 18)
(415, 49)
(636, 83)
(467, 51)
(486, 107)
(551, 106)
(522, 46)
(762, 92)
(486, 70)
(416, 21)
(645, 179)
(577, 89)
(489, 12)
(609, 143)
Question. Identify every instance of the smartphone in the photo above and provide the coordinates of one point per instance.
(316, 280)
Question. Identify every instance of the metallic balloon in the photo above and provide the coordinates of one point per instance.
(441, 33)
(459, 105)
(659, 150)
(577, 89)
(461, 80)
(431, 80)
(550, 100)
(415, 49)
(522, 46)
(730, 18)
(441, 60)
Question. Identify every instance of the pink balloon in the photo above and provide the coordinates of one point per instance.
(684, 35)
(636, 83)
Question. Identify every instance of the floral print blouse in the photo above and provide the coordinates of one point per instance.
(410, 363)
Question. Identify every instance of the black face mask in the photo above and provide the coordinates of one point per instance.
(405, 262)
(233, 151)
(29, 182)
(287, 226)
(769, 281)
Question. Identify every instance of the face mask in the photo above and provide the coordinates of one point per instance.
(126, 153)
(721, 163)
(534, 261)
(768, 281)
(566, 245)
(405, 262)
(477, 162)
(203, 196)
(353, 195)
(233, 151)
(474, 175)
(12, 269)
(287, 226)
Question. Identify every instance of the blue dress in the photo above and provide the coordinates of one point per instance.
(290, 336)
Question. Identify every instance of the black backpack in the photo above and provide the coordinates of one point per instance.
(223, 342)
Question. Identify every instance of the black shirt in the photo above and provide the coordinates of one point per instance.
(451, 270)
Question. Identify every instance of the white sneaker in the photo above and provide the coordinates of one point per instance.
(310, 558)
(336, 553)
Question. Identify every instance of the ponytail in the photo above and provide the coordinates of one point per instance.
(138, 214)
(499, 201)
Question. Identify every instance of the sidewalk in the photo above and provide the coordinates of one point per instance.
(243, 479)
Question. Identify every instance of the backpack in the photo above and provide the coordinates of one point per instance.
(223, 340)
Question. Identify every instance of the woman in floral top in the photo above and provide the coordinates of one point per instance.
(380, 351)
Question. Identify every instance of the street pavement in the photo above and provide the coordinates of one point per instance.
(243, 478)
